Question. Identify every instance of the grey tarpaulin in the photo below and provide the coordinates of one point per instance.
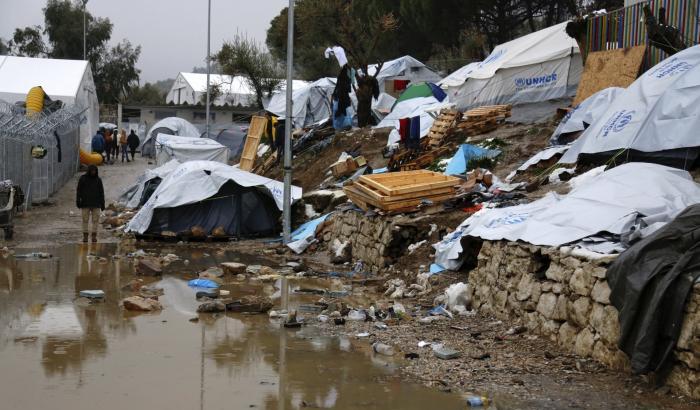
(650, 283)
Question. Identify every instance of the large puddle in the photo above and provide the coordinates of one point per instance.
(56, 353)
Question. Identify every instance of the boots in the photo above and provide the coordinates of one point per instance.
(85, 237)
(94, 237)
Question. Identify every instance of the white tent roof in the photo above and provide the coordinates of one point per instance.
(547, 44)
(229, 84)
(458, 77)
(401, 67)
(179, 126)
(195, 181)
(587, 112)
(169, 147)
(611, 202)
(132, 196)
(59, 78)
(314, 96)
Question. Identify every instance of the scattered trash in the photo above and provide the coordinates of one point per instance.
(357, 315)
(424, 343)
(411, 355)
(292, 322)
(363, 334)
(445, 353)
(224, 292)
(516, 330)
(92, 294)
(202, 283)
(381, 326)
(440, 310)
(477, 401)
(383, 349)
(323, 318)
(430, 319)
(339, 321)
(399, 310)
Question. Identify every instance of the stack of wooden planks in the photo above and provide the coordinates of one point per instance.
(410, 160)
(397, 192)
(483, 119)
(250, 149)
(442, 126)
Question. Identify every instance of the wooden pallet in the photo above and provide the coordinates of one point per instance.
(483, 119)
(425, 159)
(250, 149)
(441, 126)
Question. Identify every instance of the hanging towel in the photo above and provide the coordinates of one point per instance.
(404, 128)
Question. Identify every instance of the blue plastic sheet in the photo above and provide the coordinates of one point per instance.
(380, 170)
(203, 283)
(308, 228)
(465, 153)
(435, 268)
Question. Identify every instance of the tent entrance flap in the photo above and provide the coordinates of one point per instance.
(240, 211)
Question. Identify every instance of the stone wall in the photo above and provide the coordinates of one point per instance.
(567, 299)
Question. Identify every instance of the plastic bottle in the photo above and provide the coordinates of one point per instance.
(383, 349)
(477, 401)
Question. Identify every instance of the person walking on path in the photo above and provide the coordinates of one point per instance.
(90, 199)
(108, 145)
(133, 141)
(124, 145)
(98, 143)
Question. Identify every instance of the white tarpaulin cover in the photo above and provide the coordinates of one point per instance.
(659, 111)
(178, 126)
(169, 147)
(586, 113)
(310, 104)
(132, 196)
(543, 155)
(404, 68)
(196, 181)
(610, 202)
(458, 77)
(539, 66)
(411, 108)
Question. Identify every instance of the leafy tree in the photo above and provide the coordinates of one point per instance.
(4, 47)
(27, 42)
(215, 92)
(117, 72)
(243, 56)
(148, 94)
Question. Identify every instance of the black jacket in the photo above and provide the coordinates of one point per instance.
(90, 193)
(133, 140)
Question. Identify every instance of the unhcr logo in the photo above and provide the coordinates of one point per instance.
(493, 57)
(671, 68)
(535, 82)
(618, 121)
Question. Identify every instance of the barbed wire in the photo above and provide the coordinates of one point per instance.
(37, 128)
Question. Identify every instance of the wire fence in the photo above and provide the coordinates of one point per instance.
(58, 131)
(625, 27)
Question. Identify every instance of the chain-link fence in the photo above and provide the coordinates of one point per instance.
(57, 131)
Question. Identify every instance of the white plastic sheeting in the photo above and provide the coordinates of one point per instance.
(169, 147)
(458, 77)
(411, 108)
(404, 68)
(132, 196)
(539, 66)
(659, 111)
(178, 126)
(614, 202)
(310, 104)
(196, 181)
(587, 112)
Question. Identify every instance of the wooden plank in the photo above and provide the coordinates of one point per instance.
(609, 68)
(354, 193)
(379, 196)
(250, 149)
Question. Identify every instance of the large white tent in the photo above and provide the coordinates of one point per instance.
(171, 125)
(69, 81)
(656, 113)
(190, 88)
(183, 149)
(310, 103)
(403, 68)
(539, 66)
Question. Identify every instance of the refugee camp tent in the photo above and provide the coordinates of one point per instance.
(210, 194)
(170, 125)
(397, 74)
(232, 137)
(421, 89)
(457, 78)
(655, 119)
(631, 198)
(191, 88)
(310, 103)
(185, 149)
(141, 191)
(539, 66)
(584, 114)
(381, 106)
(69, 81)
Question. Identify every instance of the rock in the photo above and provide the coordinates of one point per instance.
(557, 273)
(253, 269)
(611, 357)
(250, 304)
(198, 232)
(148, 267)
(134, 285)
(168, 234)
(579, 310)
(584, 342)
(604, 320)
(319, 200)
(581, 282)
(211, 307)
(137, 303)
(601, 292)
(560, 312)
(547, 304)
(219, 232)
(567, 336)
(213, 272)
(233, 268)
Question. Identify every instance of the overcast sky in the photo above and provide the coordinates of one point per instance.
(172, 33)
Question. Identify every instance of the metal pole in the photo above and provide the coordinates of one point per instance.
(84, 30)
(208, 62)
(287, 199)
